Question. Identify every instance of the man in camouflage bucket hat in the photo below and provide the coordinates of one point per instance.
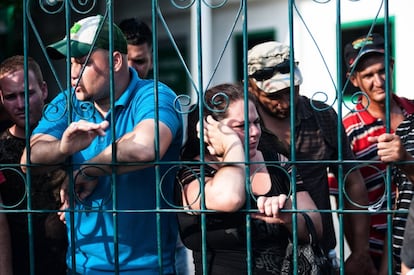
(315, 140)
(268, 64)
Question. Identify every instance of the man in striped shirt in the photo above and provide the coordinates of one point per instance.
(365, 60)
(398, 149)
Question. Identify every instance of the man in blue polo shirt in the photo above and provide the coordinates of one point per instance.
(112, 133)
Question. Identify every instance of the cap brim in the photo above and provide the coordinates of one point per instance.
(279, 82)
(59, 49)
(364, 53)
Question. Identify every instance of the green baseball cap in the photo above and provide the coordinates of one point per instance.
(82, 36)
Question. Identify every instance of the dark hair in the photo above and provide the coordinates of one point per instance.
(136, 32)
(16, 63)
(216, 102)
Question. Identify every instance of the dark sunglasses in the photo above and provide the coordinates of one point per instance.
(268, 72)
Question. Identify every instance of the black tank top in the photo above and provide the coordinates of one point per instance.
(226, 235)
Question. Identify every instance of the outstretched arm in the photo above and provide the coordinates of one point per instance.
(46, 149)
(137, 146)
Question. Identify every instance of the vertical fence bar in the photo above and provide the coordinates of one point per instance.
(27, 131)
(249, 244)
(388, 183)
(340, 176)
(110, 19)
(293, 137)
(157, 136)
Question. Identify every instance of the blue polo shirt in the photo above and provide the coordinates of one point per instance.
(93, 223)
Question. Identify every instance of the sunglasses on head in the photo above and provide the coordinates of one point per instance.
(268, 72)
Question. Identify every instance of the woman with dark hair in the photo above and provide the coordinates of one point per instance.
(235, 182)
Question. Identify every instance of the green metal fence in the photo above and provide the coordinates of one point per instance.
(38, 16)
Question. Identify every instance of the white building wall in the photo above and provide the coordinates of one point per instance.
(319, 18)
(315, 37)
